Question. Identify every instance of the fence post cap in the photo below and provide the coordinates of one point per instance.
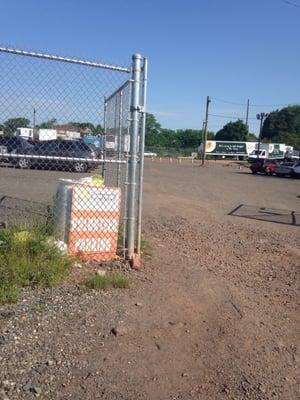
(137, 56)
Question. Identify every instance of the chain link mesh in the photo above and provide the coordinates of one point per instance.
(69, 115)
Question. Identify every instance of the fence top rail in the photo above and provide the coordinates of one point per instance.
(64, 59)
(125, 84)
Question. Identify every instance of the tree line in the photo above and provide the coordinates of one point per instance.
(159, 137)
(280, 126)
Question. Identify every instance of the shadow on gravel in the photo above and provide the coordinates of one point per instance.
(244, 173)
(274, 215)
(15, 211)
(263, 175)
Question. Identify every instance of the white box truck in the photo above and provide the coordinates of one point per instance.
(41, 134)
(47, 134)
(275, 151)
(25, 133)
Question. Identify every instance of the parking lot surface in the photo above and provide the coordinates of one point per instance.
(217, 188)
(213, 314)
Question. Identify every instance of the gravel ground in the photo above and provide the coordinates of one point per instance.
(212, 315)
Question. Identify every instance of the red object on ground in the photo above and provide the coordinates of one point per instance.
(264, 166)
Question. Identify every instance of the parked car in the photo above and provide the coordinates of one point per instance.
(285, 169)
(11, 145)
(96, 150)
(293, 155)
(62, 154)
(295, 173)
(267, 167)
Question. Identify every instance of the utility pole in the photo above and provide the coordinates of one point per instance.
(202, 133)
(205, 130)
(247, 115)
(33, 124)
(261, 117)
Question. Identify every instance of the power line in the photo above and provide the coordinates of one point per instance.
(270, 105)
(290, 3)
(252, 105)
(229, 116)
(229, 102)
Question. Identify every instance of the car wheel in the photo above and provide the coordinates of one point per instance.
(280, 175)
(294, 175)
(268, 172)
(80, 166)
(254, 172)
(23, 163)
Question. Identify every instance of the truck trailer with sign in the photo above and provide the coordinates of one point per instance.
(244, 150)
(224, 149)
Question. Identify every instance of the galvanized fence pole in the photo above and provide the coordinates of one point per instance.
(104, 137)
(141, 151)
(120, 137)
(134, 123)
(126, 155)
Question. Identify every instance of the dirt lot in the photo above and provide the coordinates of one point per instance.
(212, 315)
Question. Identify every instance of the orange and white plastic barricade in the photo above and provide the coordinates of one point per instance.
(94, 225)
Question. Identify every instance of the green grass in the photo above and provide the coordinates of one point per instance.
(29, 258)
(145, 246)
(115, 280)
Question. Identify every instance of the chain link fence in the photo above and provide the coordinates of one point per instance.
(155, 151)
(82, 118)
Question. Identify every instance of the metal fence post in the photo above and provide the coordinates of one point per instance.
(120, 137)
(141, 151)
(134, 123)
(104, 137)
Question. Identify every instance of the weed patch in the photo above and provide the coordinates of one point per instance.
(115, 280)
(29, 258)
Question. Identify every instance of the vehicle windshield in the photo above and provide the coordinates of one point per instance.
(255, 152)
(83, 146)
(25, 144)
(92, 147)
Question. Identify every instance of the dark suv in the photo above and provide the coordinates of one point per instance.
(12, 145)
(59, 154)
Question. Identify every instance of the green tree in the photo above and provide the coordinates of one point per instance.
(98, 130)
(191, 138)
(210, 135)
(12, 124)
(169, 139)
(188, 137)
(47, 124)
(283, 126)
(90, 128)
(251, 137)
(235, 131)
(158, 137)
(153, 130)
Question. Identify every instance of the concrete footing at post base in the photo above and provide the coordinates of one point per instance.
(135, 261)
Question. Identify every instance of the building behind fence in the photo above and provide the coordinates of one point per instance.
(79, 116)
